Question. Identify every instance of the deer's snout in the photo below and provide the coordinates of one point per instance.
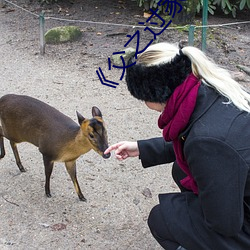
(106, 156)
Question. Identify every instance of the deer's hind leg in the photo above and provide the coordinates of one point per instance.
(71, 168)
(1, 144)
(18, 161)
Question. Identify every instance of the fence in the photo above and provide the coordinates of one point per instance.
(42, 18)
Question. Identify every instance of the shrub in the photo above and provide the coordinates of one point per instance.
(47, 1)
(187, 13)
(227, 6)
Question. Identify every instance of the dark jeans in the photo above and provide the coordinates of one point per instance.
(156, 222)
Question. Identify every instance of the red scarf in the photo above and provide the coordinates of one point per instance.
(175, 118)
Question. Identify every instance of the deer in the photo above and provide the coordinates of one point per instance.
(58, 138)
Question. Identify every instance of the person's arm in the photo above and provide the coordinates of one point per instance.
(151, 152)
(155, 151)
(220, 173)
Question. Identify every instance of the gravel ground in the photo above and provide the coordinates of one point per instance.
(119, 194)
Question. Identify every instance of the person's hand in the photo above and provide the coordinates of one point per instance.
(124, 150)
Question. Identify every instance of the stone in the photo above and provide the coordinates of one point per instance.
(238, 76)
(244, 68)
(116, 59)
(147, 193)
(63, 34)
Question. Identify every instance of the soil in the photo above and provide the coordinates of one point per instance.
(119, 195)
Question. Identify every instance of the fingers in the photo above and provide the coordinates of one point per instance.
(121, 149)
(121, 154)
(113, 147)
(120, 157)
(124, 150)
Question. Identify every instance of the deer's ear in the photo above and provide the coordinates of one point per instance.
(96, 112)
(80, 118)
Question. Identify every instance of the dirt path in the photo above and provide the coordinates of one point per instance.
(115, 214)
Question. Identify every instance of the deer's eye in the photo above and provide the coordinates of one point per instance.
(91, 136)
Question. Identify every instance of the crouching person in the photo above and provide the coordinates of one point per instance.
(205, 120)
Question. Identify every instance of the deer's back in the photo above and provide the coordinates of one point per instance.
(24, 118)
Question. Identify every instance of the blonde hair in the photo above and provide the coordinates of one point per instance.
(203, 68)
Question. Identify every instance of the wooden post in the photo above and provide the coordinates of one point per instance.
(204, 23)
(42, 32)
(191, 35)
(2, 3)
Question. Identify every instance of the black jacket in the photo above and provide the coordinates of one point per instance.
(216, 145)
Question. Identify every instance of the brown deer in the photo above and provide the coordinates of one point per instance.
(59, 139)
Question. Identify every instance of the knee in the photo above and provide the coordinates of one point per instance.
(154, 218)
(159, 229)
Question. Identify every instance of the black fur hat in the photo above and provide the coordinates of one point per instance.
(156, 83)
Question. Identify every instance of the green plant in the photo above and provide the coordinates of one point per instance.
(244, 3)
(211, 7)
(47, 1)
(150, 4)
(227, 7)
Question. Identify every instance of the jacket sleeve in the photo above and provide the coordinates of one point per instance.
(155, 151)
(220, 173)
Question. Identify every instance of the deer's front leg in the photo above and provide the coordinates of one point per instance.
(71, 168)
(48, 165)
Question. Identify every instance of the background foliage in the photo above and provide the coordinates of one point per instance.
(48, 1)
(227, 6)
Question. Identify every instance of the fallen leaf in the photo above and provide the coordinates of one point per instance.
(58, 227)
(147, 193)
(147, 15)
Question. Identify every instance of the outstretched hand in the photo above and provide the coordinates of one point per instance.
(124, 150)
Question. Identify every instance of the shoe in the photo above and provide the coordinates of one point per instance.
(181, 248)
